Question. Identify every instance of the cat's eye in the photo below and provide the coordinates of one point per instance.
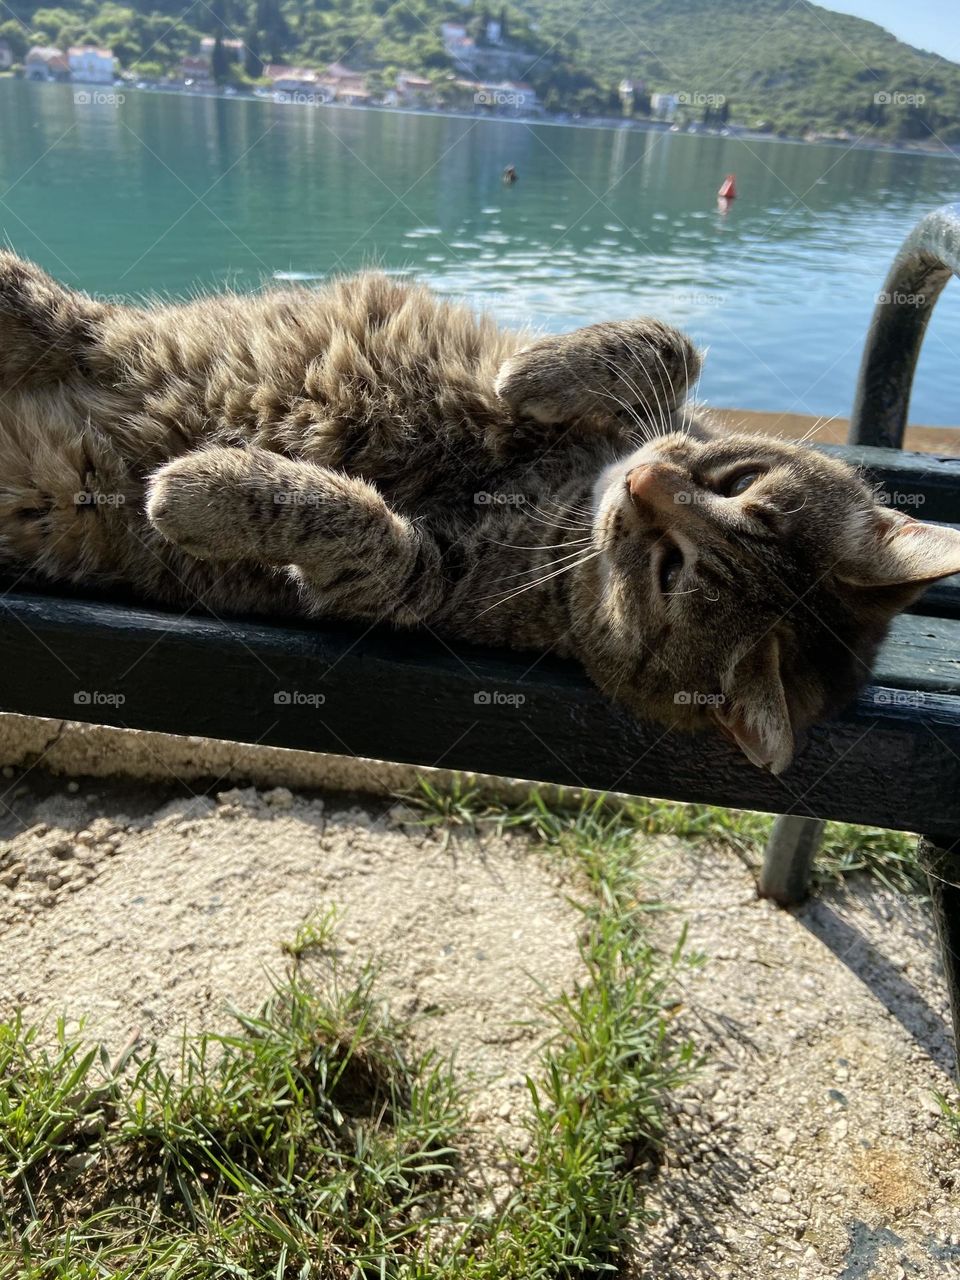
(737, 483)
(670, 569)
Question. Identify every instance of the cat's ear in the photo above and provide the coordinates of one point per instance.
(896, 550)
(754, 713)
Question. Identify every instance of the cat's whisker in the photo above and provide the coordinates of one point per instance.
(533, 512)
(659, 406)
(641, 437)
(538, 546)
(538, 568)
(574, 507)
(530, 585)
(628, 407)
(820, 423)
(795, 509)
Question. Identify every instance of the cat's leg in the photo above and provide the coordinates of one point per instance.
(348, 550)
(47, 332)
(606, 373)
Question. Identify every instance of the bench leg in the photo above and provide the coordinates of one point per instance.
(788, 857)
(940, 859)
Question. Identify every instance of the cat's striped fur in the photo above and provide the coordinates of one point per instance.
(369, 451)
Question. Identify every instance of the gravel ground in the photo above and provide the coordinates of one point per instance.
(809, 1146)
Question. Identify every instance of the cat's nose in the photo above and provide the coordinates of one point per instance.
(652, 484)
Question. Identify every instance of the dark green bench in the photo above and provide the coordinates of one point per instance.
(893, 759)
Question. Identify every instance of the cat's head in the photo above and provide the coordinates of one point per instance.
(744, 583)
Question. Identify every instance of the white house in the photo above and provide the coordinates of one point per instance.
(6, 56)
(663, 105)
(91, 65)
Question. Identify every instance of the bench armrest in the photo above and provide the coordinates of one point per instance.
(929, 257)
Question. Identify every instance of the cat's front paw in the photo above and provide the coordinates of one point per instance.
(638, 367)
(189, 501)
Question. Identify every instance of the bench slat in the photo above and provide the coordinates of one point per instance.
(921, 653)
(406, 697)
(934, 478)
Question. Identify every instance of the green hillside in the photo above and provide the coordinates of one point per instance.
(794, 67)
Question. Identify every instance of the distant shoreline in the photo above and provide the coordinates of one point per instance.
(607, 124)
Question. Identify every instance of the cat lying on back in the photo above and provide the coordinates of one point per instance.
(368, 451)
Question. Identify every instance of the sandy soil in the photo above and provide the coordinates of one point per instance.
(809, 1146)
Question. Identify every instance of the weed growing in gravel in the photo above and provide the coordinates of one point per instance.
(888, 856)
(310, 1143)
(950, 1112)
(306, 1139)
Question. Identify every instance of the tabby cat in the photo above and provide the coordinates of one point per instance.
(369, 451)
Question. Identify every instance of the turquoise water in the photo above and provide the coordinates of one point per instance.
(169, 194)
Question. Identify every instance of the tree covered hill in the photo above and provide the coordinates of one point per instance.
(788, 64)
(795, 65)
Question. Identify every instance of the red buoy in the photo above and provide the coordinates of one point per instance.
(728, 188)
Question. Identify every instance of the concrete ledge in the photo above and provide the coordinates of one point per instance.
(71, 749)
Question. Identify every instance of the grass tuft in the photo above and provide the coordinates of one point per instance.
(888, 856)
(306, 1142)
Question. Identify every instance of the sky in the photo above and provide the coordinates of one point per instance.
(927, 24)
